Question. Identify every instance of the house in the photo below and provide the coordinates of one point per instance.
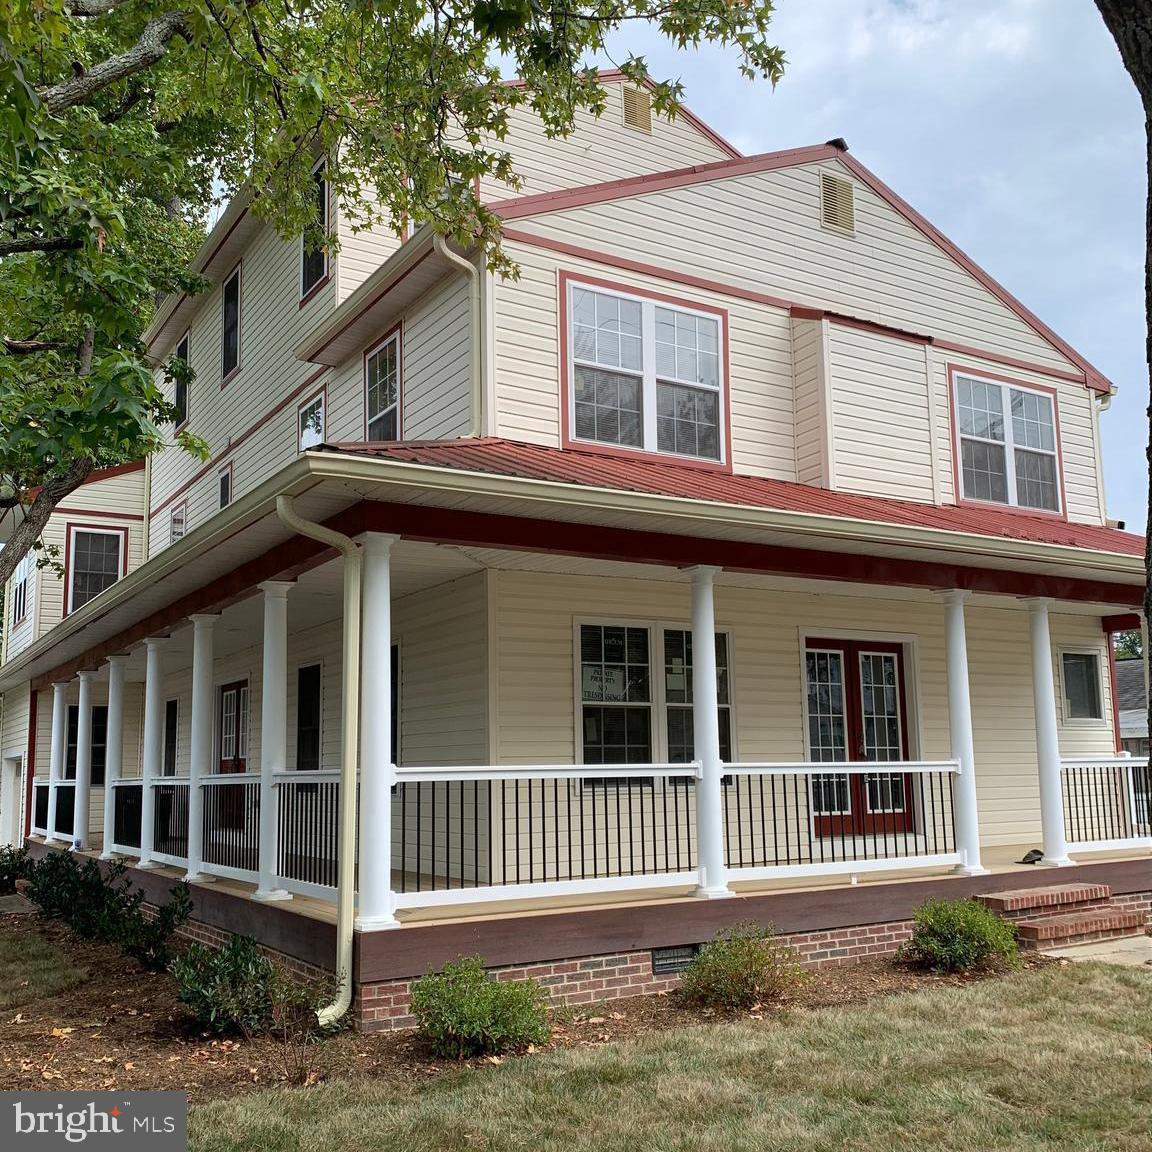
(1132, 706)
(747, 556)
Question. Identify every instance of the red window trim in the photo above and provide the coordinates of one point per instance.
(238, 272)
(71, 527)
(396, 332)
(952, 370)
(566, 277)
(321, 393)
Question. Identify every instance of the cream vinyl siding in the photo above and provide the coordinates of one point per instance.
(811, 409)
(535, 689)
(528, 369)
(272, 323)
(1075, 404)
(601, 148)
(435, 371)
(763, 232)
(882, 434)
(14, 746)
(17, 637)
(362, 250)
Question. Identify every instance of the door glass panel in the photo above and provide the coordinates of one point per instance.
(228, 724)
(880, 713)
(827, 729)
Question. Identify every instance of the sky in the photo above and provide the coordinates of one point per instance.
(1010, 124)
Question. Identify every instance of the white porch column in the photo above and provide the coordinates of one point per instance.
(153, 744)
(83, 797)
(59, 751)
(960, 726)
(273, 731)
(114, 754)
(1047, 737)
(706, 738)
(200, 752)
(376, 767)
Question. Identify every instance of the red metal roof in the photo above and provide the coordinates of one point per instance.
(497, 457)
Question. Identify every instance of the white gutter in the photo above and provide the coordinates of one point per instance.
(475, 428)
(349, 749)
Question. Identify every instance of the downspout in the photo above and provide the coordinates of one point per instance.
(349, 749)
(476, 426)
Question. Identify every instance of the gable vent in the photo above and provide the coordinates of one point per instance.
(638, 109)
(837, 209)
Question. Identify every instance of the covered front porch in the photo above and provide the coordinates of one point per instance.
(549, 730)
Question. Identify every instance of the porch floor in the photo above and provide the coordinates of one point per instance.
(998, 860)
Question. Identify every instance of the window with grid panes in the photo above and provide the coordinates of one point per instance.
(94, 563)
(616, 694)
(678, 695)
(382, 390)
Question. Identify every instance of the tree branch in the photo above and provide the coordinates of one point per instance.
(147, 51)
(92, 7)
(39, 244)
(29, 347)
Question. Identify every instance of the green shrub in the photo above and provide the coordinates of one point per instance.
(13, 862)
(148, 939)
(744, 966)
(957, 936)
(463, 1011)
(227, 989)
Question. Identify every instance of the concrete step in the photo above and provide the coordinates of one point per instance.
(1079, 927)
(1047, 900)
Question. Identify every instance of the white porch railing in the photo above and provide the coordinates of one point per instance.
(471, 834)
(40, 793)
(1107, 802)
(126, 798)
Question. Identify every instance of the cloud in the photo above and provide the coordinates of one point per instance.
(1010, 124)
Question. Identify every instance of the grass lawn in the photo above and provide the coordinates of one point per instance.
(32, 968)
(1059, 1058)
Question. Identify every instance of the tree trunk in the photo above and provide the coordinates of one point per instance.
(29, 530)
(1130, 22)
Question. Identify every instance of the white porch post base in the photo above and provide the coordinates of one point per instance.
(271, 895)
(376, 923)
(1047, 738)
(706, 738)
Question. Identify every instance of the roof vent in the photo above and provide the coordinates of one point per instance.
(837, 209)
(638, 109)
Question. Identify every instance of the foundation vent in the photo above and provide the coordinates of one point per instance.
(638, 109)
(668, 960)
(837, 209)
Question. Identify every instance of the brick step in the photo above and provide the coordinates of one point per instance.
(1045, 900)
(1079, 927)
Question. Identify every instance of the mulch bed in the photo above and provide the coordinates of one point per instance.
(123, 1028)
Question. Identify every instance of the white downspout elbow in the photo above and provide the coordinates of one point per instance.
(349, 749)
(475, 428)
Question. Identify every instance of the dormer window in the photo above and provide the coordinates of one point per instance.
(1008, 450)
(314, 260)
(646, 374)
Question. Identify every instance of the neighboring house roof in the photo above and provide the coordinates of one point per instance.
(1130, 698)
(536, 205)
(681, 479)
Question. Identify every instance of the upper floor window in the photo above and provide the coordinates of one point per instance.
(645, 375)
(96, 562)
(382, 390)
(314, 261)
(224, 485)
(20, 579)
(1007, 444)
(177, 523)
(230, 325)
(180, 396)
(310, 423)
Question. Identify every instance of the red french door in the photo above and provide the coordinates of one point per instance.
(857, 710)
(232, 746)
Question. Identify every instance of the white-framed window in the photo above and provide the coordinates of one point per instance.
(177, 523)
(230, 325)
(645, 374)
(310, 422)
(634, 693)
(382, 390)
(20, 580)
(314, 260)
(1006, 443)
(224, 485)
(1082, 685)
(95, 562)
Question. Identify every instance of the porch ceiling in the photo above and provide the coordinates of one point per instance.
(499, 520)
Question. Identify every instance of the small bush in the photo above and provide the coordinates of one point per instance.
(958, 936)
(462, 1011)
(227, 989)
(13, 862)
(149, 939)
(744, 966)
